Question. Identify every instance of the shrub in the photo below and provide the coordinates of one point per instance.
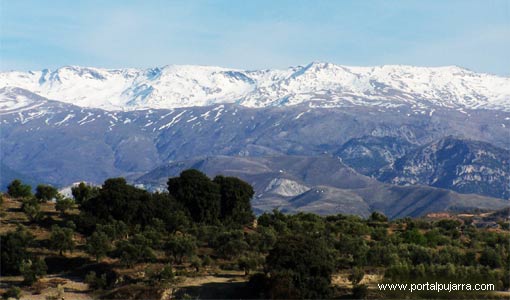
(31, 270)
(96, 282)
(12, 292)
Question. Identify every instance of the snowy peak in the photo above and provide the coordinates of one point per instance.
(318, 83)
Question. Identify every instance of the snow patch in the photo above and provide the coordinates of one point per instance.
(286, 187)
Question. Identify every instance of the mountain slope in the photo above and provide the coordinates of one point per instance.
(62, 143)
(368, 154)
(307, 170)
(461, 165)
(322, 84)
(327, 200)
(418, 200)
(7, 175)
(329, 187)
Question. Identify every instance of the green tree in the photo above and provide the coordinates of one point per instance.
(181, 246)
(489, 257)
(448, 224)
(306, 223)
(206, 261)
(303, 265)
(70, 224)
(356, 275)
(114, 230)
(31, 270)
(435, 238)
(235, 200)
(196, 263)
(136, 249)
(449, 254)
(198, 194)
(414, 236)
(232, 248)
(120, 201)
(276, 219)
(418, 254)
(13, 252)
(45, 192)
(64, 204)
(17, 189)
(32, 209)
(61, 239)
(359, 291)
(229, 244)
(379, 234)
(353, 249)
(382, 254)
(83, 192)
(249, 263)
(155, 233)
(167, 274)
(263, 239)
(98, 245)
(377, 217)
(173, 214)
(96, 282)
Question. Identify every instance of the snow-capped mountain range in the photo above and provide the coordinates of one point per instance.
(287, 132)
(318, 84)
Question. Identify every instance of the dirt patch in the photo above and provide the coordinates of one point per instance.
(342, 280)
(73, 288)
(222, 285)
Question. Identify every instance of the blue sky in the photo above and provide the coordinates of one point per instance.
(255, 34)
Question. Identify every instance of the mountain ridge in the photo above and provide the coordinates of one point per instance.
(321, 84)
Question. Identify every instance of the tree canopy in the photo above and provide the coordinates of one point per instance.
(302, 263)
(83, 192)
(204, 226)
(14, 250)
(17, 189)
(224, 199)
(45, 192)
(198, 194)
(235, 196)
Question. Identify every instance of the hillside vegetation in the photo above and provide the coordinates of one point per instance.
(200, 239)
